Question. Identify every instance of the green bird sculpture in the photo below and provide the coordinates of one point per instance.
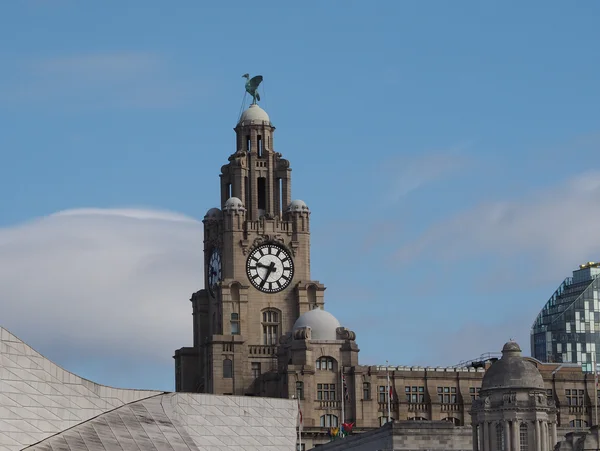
(252, 86)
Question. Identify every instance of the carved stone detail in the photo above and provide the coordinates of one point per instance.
(345, 334)
(302, 333)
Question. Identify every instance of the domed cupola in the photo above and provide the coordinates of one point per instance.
(214, 214)
(254, 115)
(323, 325)
(233, 204)
(512, 371)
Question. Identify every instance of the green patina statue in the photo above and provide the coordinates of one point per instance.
(252, 86)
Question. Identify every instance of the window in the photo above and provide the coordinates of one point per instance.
(235, 324)
(328, 421)
(523, 437)
(255, 370)
(574, 397)
(415, 394)
(447, 395)
(474, 392)
(300, 390)
(578, 423)
(260, 146)
(454, 421)
(326, 392)
(325, 364)
(300, 447)
(261, 188)
(366, 390)
(499, 437)
(270, 327)
(227, 369)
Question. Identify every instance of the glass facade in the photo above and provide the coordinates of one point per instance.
(567, 330)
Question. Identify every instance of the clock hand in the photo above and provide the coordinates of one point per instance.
(270, 269)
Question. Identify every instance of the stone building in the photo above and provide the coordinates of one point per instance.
(260, 328)
(513, 412)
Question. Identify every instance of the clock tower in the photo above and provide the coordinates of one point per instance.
(256, 272)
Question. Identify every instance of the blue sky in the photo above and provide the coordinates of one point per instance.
(447, 150)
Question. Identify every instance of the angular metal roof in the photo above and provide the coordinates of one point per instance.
(44, 407)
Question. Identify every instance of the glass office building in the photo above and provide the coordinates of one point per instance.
(567, 330)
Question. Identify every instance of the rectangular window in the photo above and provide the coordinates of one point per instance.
(447, 395)
(300, 390)
(260, 146)
(326, 392)
(382, 397)
(255, 370)
(262, 193)
(366, 390)
(415, 394)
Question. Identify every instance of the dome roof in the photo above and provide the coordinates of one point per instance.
(254, 114)
(512, 371)
(323, 324)
(297, 206)
(233, 204)
(213, 213)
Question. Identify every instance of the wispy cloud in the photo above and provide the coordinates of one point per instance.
(556, 228)
(88, 81)
(102, 283)
(413, 172)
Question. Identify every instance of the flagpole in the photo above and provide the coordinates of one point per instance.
(343, 393)
(299, 426)
(389, 415)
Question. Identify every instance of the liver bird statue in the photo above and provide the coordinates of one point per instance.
(252, 86)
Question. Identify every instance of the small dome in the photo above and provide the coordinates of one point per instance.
(233, 204)
(255, 114)
(297, 206)
(213, 214)
(323, 324)
(512, 371)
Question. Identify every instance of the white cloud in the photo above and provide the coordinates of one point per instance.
(556, 227)
(102, 283)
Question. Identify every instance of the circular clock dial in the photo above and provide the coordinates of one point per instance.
(214, 269)
(270, 268)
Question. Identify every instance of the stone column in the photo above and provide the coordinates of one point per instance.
(544, 438)
(506, 436)
(481, 437)
(475, 437)
(486, 436)
(516, 443)
(553, 435)
(538, 436)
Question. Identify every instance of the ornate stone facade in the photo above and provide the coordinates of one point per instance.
(273, 340)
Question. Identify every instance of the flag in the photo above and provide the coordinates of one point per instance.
(346, 394)
(347, 427)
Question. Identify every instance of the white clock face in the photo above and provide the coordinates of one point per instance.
(270, 268)
(214, 270)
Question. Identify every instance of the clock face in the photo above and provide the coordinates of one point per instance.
(214, 270)
(270, 268)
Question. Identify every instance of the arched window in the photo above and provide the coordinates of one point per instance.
(227, 369)
(499, 437)
(523, 437)
(270, 323)
(300, 390)
(329, 421)
(235, 324)
(366, 391)
(325, 363)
